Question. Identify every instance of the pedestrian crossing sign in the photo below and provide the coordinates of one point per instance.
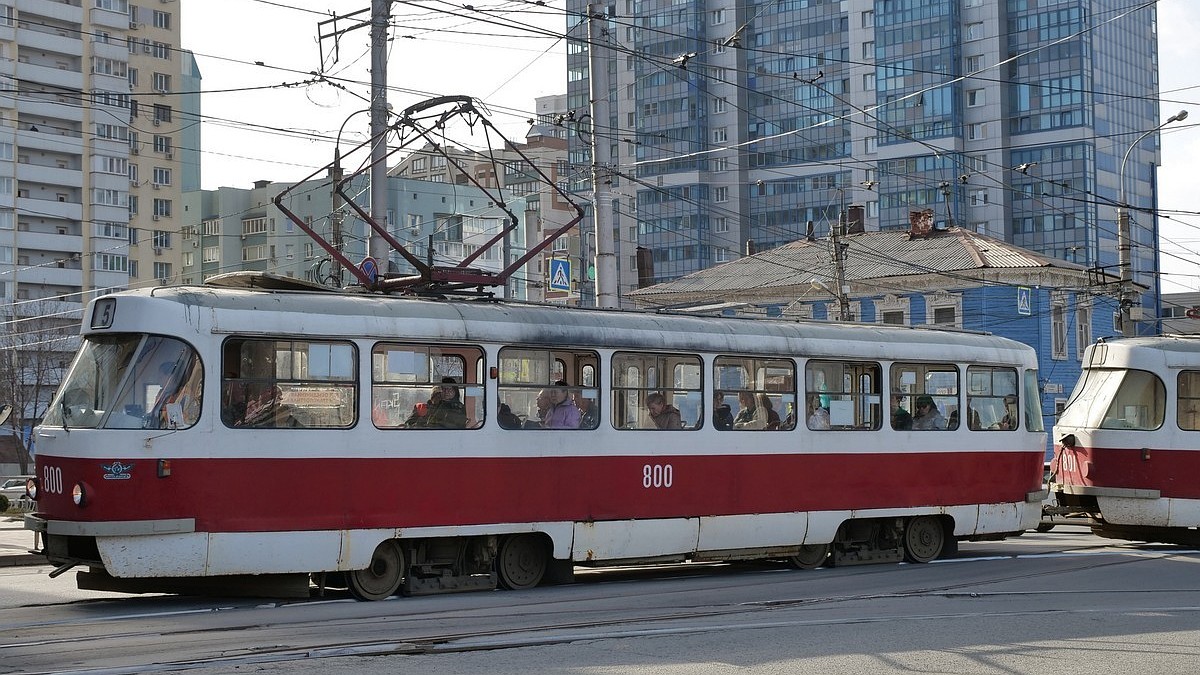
(1024, 300)
(560, 274)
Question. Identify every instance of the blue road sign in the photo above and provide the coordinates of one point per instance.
(560, 274)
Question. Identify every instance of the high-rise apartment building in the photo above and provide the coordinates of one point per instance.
(735, 123)
(91, 115)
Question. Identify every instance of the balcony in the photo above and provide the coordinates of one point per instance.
(67, 79)
(50, 208)
(54, 10)
(59, 245)
(110, 19)
(37, 174)
(58, 40)
(50, 109)
(50, 275)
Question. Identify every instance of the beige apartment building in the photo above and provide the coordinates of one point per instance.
(95, 98)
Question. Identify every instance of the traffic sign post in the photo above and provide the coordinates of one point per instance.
(560, 275)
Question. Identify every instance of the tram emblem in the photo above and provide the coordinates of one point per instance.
(118, 470)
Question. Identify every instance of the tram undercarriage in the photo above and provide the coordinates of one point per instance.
(434, 565)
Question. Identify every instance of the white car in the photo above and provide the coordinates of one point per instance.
(13, 488)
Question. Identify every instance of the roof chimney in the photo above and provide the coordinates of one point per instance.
(920, 223)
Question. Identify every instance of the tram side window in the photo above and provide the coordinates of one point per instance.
(424, 387)
(930, 392)
(1139, 403)
(992, 400)
(1188, 406)
(760, 392)
(275, 384)
(656, 391)
(548, 389)
(843, 395)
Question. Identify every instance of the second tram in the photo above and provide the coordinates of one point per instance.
(1127, 445)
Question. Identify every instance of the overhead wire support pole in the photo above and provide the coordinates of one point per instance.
(606, 257)
(380, 17)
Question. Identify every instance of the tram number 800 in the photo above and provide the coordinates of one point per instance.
(657, 476)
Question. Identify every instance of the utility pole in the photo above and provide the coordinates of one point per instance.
(839, 262)
(606, 257)
(380, 15)
(335, 177)
(377, 246)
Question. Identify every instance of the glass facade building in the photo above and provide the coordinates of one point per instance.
(740, 125)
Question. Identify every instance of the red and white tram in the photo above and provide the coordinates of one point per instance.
(236, 436)
(1127, 445)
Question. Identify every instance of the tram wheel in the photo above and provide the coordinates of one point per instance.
(810, 557)
(521, 561)
(382, 578)
(923, 539)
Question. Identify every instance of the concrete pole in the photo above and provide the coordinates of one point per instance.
(380, 16)
(606, 257)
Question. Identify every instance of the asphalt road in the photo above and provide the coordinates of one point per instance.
(1063, 602)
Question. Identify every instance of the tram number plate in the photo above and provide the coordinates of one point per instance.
(52, 480)
(657, 476)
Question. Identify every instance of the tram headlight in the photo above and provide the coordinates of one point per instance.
(31, 488)
(79, 495)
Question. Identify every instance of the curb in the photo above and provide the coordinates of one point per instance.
(23, 560)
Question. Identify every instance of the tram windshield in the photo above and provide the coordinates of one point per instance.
(129, 382)
(1116, 399)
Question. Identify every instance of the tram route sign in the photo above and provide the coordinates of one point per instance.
(560, 274)
(1024, 300)
(370, 268)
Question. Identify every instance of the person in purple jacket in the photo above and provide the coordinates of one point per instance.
(562, 414)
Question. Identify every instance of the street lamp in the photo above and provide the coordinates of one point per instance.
(1124, 258)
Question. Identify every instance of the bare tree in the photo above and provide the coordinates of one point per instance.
(37, 340)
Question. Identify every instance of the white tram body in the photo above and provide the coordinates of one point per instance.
(1127, 445)
(353, 484)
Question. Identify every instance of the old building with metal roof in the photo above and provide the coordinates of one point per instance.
(952, 278)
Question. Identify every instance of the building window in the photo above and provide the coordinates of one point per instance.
(974, 64)
(974, 30)
(976, 98)
(162, 176)
(868, 82)
(721, 225)
(162, 271)
(1083, 328)
(162, 208)
(162, 20)
(721, 194)
(1058, 328)
(718, 17)
(161, 50)
(868, 51)
(162, 83)
(162, 144)
(161, 239)
(979, 197)
(718, 105)
(977, 131)
(720, 135)
(871, 145)
(721, 255)
(720, 164)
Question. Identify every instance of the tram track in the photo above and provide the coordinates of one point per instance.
(280, 636)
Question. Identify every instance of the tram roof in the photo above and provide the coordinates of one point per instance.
(1148, 352)
(349, 314)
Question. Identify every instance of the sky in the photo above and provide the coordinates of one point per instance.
(258, 58)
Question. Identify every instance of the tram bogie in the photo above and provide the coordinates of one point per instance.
(425, 440)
